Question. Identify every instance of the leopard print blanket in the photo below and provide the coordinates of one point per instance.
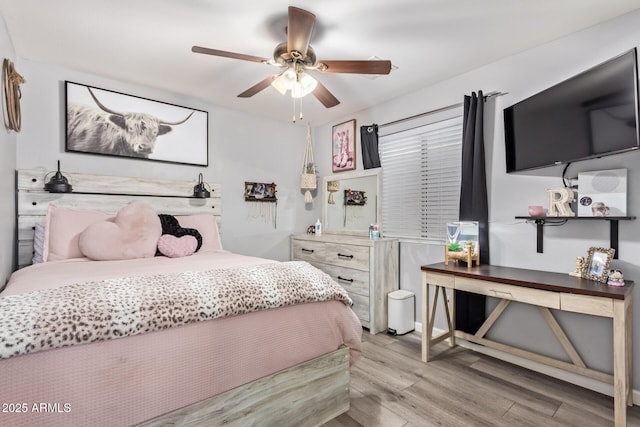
(82, 313)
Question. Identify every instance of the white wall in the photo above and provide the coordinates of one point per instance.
(7, 174)
(241, 148)
(513, 242)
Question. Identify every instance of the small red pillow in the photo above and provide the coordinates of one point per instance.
(175, 247)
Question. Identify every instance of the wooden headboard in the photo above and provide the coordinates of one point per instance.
(104, 193)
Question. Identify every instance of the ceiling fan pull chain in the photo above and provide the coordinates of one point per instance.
(294, 110)
(301, 117)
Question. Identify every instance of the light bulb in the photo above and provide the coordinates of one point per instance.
(285, 81)
(304, 86)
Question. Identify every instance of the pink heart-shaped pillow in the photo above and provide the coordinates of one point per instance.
(133, 233)
(175, 247)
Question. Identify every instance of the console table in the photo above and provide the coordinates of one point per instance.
(546, 291)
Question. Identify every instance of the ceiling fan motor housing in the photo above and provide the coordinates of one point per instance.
(285, 58)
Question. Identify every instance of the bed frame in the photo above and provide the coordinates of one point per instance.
(103, 193)
(308, 394)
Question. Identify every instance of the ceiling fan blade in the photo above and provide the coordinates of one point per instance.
(223, 53)
(324, 96)
(372, 66)
(258, 87)
(299, 30)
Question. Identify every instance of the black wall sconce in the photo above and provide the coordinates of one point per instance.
(58, 183)
(199, 190)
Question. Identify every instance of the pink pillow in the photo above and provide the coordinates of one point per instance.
(175, 247)
(133, 233)
(206, 226)
(62, 231)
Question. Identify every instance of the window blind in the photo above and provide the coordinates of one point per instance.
(421, 180)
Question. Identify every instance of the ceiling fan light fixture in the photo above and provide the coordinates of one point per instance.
(285, 81)
(304, 86)
(300, 84)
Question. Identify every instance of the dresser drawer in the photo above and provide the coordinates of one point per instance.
(308, 251)
(510, 292)
(360, 306)
(354, 281)
(350, 256)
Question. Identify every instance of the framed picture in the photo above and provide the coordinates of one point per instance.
(259, 192)
(354, 198)
(100, 121)
(343, 148)
(598, 264)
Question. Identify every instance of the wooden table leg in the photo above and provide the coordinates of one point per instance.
(622, 352)
(427, 329)
(449, 296)
(429, 305)
(629, 352)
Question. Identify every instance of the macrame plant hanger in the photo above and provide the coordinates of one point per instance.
(308, 180)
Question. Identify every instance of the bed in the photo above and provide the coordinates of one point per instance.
(286, 365)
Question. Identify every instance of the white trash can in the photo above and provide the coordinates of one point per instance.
(401, 312)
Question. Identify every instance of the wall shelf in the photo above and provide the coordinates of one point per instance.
(540, 221)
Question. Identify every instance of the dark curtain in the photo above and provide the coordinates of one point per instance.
(369, 142)
(470, 308)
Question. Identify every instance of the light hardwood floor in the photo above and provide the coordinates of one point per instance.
(391, 387)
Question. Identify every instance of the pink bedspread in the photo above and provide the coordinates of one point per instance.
(101, 310)
(132, 379)
(50, 275)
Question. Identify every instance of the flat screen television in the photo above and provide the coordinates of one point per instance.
(592, 114)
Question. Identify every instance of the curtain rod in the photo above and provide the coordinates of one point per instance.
(439, 110)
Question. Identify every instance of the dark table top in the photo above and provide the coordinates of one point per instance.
(545, 280)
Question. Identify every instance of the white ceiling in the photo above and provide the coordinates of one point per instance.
(148, 42)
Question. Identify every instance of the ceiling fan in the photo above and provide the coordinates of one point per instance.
(296, 56)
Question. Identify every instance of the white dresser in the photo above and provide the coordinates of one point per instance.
(367, 269)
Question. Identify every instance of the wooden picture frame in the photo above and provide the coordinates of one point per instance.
(260, 192)
(343, 146)
(104, 122)
(598, 264)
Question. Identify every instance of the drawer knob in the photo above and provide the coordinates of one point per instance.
(310, 251)
(345, 256)
(345, 280)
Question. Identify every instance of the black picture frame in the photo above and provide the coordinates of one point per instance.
(96, 119)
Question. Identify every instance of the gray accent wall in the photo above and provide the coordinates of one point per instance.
(513, 242)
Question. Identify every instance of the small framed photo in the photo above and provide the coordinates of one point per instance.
(260, 192)
(343, 148)
(598, 264)
(354, 198)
